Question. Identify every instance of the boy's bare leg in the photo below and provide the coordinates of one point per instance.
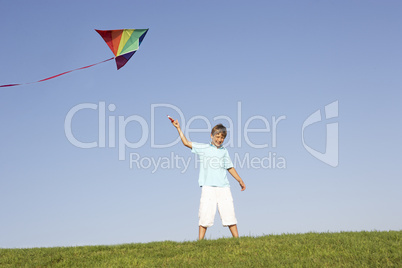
(201, 233)
(233, 230)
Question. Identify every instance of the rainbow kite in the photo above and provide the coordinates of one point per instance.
(123, 43)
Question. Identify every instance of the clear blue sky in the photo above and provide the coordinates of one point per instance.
(245, 64)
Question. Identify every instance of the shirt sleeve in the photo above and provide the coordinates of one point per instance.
(227, 162)
(198, 148)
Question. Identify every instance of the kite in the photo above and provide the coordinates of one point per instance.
(123, 43)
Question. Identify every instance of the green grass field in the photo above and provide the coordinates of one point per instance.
(345, 249)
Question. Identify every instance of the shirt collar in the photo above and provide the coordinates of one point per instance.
(212, 145)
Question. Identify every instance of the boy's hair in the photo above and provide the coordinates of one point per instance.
(219, 128)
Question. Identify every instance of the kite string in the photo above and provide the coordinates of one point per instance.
(57, 75)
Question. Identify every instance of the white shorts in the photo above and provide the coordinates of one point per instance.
(212, 197)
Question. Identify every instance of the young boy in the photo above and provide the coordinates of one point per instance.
(215, 160)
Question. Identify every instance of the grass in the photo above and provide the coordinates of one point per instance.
(345, 249)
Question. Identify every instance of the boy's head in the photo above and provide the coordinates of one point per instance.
(218, 135)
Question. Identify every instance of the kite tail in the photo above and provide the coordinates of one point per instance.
(57, 75)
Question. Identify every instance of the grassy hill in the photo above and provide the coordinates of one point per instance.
(345, 249)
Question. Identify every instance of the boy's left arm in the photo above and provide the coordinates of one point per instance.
(233, 172)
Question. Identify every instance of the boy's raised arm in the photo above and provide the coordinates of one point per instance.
(183, 138)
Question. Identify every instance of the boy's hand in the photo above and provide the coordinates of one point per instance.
(242, 185)
(233, 172)
(176, 123)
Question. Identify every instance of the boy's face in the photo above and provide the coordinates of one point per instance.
(218, 139)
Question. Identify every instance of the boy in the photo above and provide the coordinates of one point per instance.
(215, 160)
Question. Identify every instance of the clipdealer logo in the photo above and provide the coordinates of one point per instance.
(112, 134)
(330, 156)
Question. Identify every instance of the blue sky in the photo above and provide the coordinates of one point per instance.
(244, 64)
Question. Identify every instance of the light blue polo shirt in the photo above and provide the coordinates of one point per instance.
(214, 163)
